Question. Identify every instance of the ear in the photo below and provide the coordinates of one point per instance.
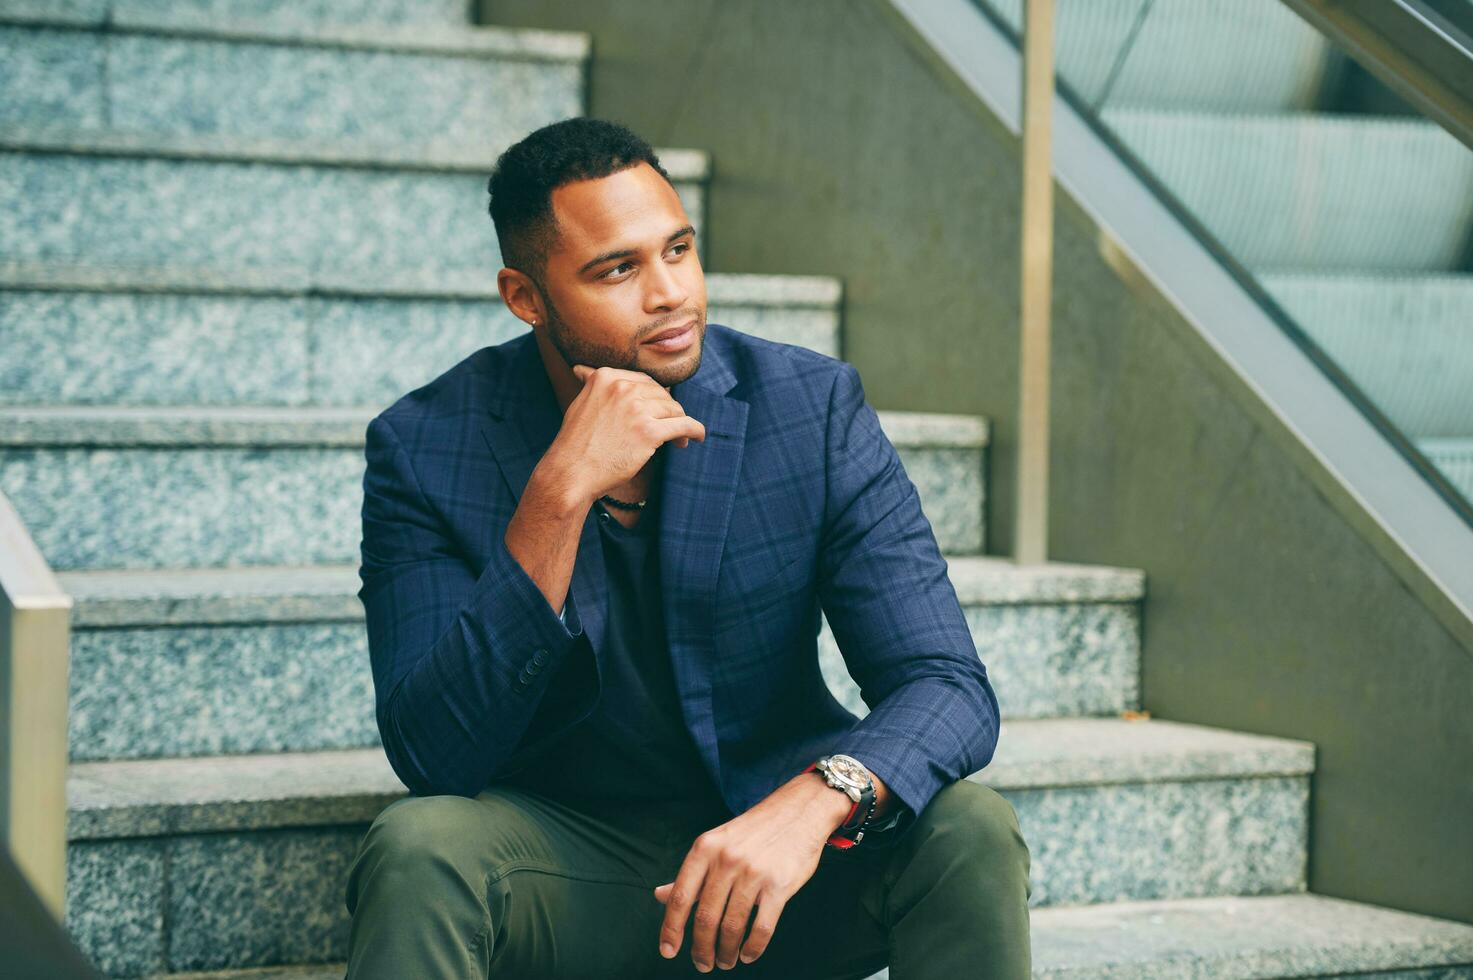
(520, 296)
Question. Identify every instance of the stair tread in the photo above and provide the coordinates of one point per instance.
(467, 39)
(315, 971)
(1252, 936)
(290, 425)
(434, 155)
(150, 797)
(267, 593)
(1302, 934)
(392, 282)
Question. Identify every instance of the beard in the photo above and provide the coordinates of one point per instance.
(575, 349)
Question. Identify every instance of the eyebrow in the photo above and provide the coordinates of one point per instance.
(624, 253)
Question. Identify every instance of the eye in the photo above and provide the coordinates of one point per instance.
(614, 270)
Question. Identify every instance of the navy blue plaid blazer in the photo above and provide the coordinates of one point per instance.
(796, 501)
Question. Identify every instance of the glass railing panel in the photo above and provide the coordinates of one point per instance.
(1353, 213)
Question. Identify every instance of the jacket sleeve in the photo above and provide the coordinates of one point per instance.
(460, 661)
(885, 592)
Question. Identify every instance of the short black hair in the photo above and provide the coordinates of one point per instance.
(521, 185)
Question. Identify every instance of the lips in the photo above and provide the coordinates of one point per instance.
(672, 332)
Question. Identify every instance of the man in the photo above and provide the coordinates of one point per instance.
(594, 559)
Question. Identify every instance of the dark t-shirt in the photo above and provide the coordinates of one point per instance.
(634, 746)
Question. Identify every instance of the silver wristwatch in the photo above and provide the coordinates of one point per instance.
(846, 773)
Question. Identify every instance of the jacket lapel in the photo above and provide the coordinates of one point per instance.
(697, 484)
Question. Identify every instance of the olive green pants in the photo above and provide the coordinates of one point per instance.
(510, 884)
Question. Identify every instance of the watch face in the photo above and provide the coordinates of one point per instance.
(848, 771)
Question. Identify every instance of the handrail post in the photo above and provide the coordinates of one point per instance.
(1030, 541)
(35, 637)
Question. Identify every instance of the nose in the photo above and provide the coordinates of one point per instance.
(665, 291)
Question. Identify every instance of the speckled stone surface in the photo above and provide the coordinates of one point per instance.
(1123, 810)
(1237, 938)
(1232, 938)
(169, 349)
(151, 507)
(1110, 809)
(270, 594)
(201, 201)
(1067, 752)
(115, 903)
(259, 899)
(1106, 843)
(176, 662)
(1055, 643)
(433, 87)
(48, 74)
(288, 12)
(952, 485)
(202, 901)
(1115, 809)
(258, 486)
(980, 579)
(321, 971)
(114, 336)
(166, 797)
(145, 693)
(274, 657)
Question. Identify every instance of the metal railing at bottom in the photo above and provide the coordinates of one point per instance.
(35, 644)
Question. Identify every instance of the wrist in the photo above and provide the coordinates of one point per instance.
(557, 492)
(828, 806)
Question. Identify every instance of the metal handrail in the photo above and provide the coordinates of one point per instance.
(1422, 50)
(1150, 239)
(35, 642)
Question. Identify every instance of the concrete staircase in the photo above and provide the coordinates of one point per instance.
(230, 233)
(1359, 226)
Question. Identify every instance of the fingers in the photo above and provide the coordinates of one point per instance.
(769, 907)
(734, 924)
(680, 895)
(710, 910)
(584, 371)
(677, 427)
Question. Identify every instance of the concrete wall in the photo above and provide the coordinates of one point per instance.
(840, 147)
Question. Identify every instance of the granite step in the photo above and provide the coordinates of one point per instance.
(227, 862)
(319, 971)
(177, 487)
(188, 662)
(1242, 56)
(1302, 191)
(178, 336)
(150, 200)
(1226, 938)
(1059, 639)
(1232, 937)
(1406, 340)
(179, 72)
(281, 13)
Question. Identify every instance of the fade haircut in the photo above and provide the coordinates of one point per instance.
(521, 184)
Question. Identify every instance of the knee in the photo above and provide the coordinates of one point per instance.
(975, 823)
(418, 839)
